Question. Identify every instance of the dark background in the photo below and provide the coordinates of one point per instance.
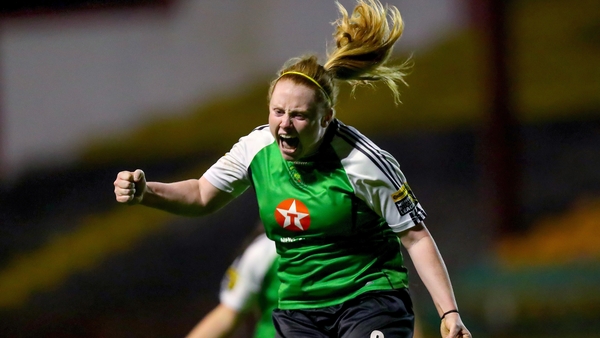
(510, 185)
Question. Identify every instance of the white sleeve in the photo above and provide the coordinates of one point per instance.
(230, 172)
(378, 181)
(243, 279)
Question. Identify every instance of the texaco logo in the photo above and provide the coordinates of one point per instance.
(292, 215)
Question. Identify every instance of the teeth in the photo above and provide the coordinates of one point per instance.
(288, 142)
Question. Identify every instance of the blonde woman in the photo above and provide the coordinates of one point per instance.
(336, 205)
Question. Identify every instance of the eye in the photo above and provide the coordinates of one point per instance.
(277, 112)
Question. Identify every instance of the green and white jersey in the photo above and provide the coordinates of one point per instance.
(333, 216)
(251, 280)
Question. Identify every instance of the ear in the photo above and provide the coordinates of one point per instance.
(327, 118)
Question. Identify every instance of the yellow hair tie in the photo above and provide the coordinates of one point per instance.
(312, 80)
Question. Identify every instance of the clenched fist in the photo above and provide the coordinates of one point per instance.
(130, 186)
(453, 327)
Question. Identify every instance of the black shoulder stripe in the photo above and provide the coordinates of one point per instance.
(366, 146)
(369, 149)
(261, 127)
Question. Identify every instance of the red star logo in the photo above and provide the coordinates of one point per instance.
(292, 215)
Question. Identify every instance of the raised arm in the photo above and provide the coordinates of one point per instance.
(220, 322)
(431, 268)
(194, 197)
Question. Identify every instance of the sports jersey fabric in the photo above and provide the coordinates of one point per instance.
(252, 278)
(333, 216)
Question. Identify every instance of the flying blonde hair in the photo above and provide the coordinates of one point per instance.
(363, 46)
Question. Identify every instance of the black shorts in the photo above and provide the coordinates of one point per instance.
(375, 314)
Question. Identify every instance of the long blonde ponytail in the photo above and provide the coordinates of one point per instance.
(360, 55)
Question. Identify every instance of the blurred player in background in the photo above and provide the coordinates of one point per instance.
(248, 291)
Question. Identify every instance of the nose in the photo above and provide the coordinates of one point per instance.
(286, 121)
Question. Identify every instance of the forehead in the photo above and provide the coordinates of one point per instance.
(289, 94)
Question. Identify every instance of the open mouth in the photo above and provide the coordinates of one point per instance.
(289, 142)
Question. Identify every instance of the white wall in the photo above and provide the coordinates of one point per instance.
(66, 78)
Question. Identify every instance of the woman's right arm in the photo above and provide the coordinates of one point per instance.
(194, 197)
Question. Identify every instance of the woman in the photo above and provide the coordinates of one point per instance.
(336, 205)
(249, 284)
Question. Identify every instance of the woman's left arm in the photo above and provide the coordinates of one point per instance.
(431, 269)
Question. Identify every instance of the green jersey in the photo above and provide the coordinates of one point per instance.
(334, 217)
(251, 282)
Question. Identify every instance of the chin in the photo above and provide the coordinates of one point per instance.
(287, 156)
